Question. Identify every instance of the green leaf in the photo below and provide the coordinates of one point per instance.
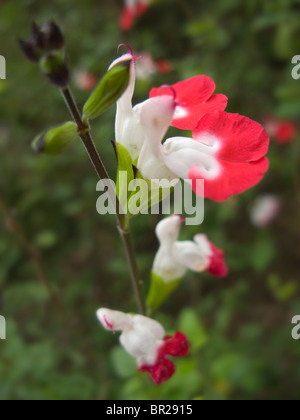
(159, 291)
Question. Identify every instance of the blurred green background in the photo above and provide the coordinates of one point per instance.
(240, 327)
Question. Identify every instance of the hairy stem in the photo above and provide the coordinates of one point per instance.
(123, 226)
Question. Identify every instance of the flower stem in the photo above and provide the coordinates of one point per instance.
(123, 225)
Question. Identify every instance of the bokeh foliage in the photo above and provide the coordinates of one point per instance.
(240, 327)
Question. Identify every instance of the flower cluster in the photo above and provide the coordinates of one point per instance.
(145, 339)
(226, 150)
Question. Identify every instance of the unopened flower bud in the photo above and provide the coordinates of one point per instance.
(54, 66)
(45, 46)
(56, 140)
(29, 50)
(108, 91)
(54, 36)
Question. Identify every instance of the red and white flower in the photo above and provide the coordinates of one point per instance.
(174, 258)
(131, 11)
(145, 339)
(226, 151)
(194, 98)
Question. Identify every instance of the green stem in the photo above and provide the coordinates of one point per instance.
(123, 225)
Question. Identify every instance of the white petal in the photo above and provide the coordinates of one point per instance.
(181, 153)
(143, 340)
(141, 322)
(190, 255)
(128, 128)
(114, 320)
(156, 117)
(168, 229)
(166, 266)
(203, 244)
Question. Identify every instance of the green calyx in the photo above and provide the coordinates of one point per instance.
(56, 140)
(108, 91)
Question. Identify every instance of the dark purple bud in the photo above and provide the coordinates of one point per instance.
(54, 36)
(38, 38)
(29, 50)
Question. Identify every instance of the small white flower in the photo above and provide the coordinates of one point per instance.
(144, 339)
(174, 258)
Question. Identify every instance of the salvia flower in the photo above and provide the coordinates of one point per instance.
(146, 340)
(227, 151)
(174, 258)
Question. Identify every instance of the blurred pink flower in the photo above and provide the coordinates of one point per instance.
(148, 66)
(131, 11)
(282, 131)
(265, 209)
(84, 80)
(145, 339)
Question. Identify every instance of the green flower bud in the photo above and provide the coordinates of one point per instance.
(56, 140)
(108, 91)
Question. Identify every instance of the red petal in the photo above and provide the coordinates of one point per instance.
(161, 371)
(235, 178)
(191, 91)
(195, 97)
(217, 266)
(240, 139)
(127, 18)
(175, 346)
